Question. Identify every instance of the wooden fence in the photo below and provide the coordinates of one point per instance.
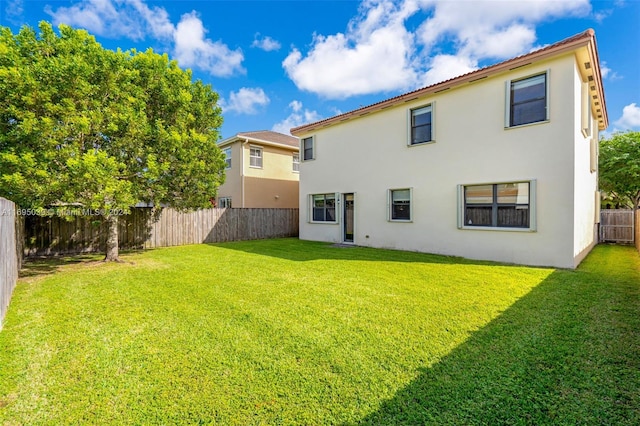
(10, 256)
(637, 229)
(144, 228)
(617, 226)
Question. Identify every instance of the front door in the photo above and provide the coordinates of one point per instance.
(348, 217)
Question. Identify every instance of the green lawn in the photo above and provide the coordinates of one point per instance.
(292, 332)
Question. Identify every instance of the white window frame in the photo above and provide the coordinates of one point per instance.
(313, 148)
(533, 225)
(224, 202)
(410, 111)
(227, 158)
(507, 109)
(390, 205)
(296, 162)
(252, 157)
(336, 198)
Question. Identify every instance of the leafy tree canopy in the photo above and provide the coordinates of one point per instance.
(84, 126)
(619, 167)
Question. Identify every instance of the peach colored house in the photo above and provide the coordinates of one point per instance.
(497, 164)
(261, 171)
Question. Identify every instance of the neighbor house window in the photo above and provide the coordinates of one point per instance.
(498, 205)
(255, 156)
(296, 162)
(308, 149)
(527, 100)
(323, 207)
(400, 204)
(227, 158)
(224, 202)
(421, 125)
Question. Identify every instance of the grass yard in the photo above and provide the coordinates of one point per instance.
(292, 332)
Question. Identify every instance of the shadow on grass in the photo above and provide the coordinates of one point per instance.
(566, 353)
(302, 251)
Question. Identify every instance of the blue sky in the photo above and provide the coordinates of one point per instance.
(278, 64)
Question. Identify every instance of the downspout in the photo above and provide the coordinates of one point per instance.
(246, 141)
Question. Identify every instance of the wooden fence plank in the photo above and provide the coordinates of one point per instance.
(10, 257)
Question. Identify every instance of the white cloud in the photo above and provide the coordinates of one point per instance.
(192, 49)
(245, 101)
(374, 55)
(630, 117)
(127, 18)
(266, 43)
(378, 53)
(608, 73)
(135, 20)
(13, 10)
(298, 117)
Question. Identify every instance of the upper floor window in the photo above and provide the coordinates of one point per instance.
(421, 125)
(296, 162)
(528, 100)
(323, 207)
(400, 203)
(227, 158)
(255, 156)
(308, 149)
(498, 205)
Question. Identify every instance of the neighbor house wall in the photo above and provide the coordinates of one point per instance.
(369, 155)
(232, 186)
(275, 184)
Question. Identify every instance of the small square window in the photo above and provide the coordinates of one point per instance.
(224, 202)
(255, 157)
(421, 125)
(527, 100)
(400, 205)
(323, 207)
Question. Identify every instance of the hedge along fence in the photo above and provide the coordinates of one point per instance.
(146, 228)
(10, 253)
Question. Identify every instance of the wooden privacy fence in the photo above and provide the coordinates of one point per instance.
(144, 228)
(10, 253)
(617, 226)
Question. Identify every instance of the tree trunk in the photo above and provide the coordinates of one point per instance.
(112, 239)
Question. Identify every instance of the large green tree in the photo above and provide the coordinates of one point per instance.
(619, 167)
(89, 128)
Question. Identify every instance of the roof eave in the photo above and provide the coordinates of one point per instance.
(586, 39)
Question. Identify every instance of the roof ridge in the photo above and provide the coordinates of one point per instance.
(589, 33)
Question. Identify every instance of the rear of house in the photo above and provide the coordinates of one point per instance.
(499, 164)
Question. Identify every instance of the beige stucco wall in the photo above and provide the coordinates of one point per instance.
(274, 185)
(232, 186)
(369, 156)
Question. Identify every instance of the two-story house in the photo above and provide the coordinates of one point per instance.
(497, 164)
(261, 170)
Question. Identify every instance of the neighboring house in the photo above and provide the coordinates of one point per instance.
(261, 170)
(497, 164)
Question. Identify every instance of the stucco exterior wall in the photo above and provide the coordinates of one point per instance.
(232, 186)
(274, 185)
(369, 155)
(585, 181)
